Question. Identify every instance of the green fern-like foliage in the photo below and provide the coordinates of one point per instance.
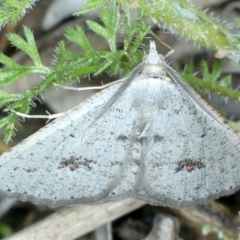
(12, 10)
(211, 81)
(128, 17)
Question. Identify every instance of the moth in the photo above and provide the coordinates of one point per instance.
(150, 137)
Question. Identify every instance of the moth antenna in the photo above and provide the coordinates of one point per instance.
(169, 53)
(163, 43)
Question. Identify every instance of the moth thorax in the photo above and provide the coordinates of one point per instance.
(154, 71)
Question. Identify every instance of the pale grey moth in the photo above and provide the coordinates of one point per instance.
(150, 137)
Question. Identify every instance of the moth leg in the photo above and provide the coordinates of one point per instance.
(90, 88)
(49, 116)
(52, 116)
(168, 54)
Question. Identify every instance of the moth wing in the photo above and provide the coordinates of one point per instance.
(74, 159)
(191, 155)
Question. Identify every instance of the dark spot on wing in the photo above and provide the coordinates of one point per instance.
(31, 170)
(73, 166)
(39, 143)
(176, 111)
(203, 135)
(142, 140)
(69, 163)
(72, 135)
(137, 162)
(157, 138)
(122, 138)
(62, 165)
(222, 143)
(189, 165)
(190, 168)
(116, 163)
(74, 163)
(221, 169)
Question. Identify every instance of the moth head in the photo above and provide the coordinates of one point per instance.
(153, 64)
